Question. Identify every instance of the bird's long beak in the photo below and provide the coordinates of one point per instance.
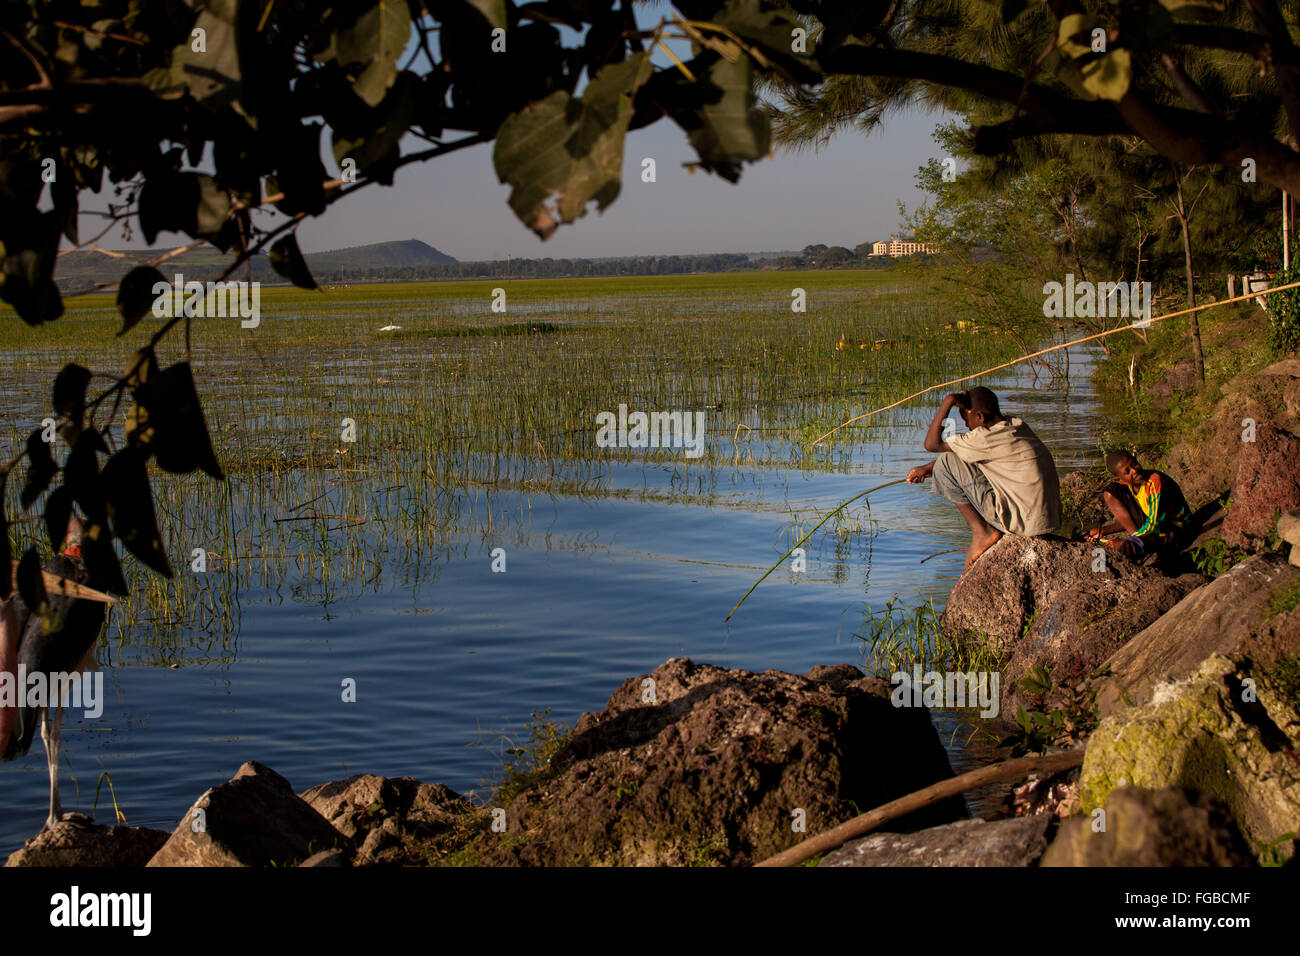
(8, 670)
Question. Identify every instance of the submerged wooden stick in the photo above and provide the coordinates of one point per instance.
(859, 825)
(896, 481)
(1146, 323)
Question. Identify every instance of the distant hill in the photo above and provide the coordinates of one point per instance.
(411, 260)
(88, 267)
(379, 255)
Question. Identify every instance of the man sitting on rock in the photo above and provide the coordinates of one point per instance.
(1149, 505)
(999, 474)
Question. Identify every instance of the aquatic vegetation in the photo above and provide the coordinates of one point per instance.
(356, 457)
(896, 637)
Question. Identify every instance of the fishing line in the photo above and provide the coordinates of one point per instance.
(1056, 348)
(896, 481)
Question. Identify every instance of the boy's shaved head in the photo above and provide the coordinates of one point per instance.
(1117, 458)
(983, 400)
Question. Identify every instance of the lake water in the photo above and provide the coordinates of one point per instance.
(449, 664)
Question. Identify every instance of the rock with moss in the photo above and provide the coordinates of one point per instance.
(1245, 610)
(698, 765)
(1137, 826)
(1225, 731)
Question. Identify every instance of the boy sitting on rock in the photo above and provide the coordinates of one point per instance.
(1148, 505)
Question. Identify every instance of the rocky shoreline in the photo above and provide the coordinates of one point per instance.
(1182, 684)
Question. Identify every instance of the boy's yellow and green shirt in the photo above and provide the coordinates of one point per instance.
(1162, 501)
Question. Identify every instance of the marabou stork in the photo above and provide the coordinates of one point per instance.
(76, 616)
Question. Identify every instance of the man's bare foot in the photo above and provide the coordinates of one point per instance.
(979, 545)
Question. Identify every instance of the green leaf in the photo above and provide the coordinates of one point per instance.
(81, 476)
(494, 12)
(1022, 718)
(190, 203)
(135, 295)
(300, 174)
(177, 433)
(370, 47)
(103, 569)
(568, 150)
(40, 469)
(370, 137)
(1074, 34)
(63, 192)
(58, 510)
(1036, 680)
(69, 395)
(29, 244)
(768, 30)
(136, 426)
(719, 113)
(130, 508)
(212, 74)
(31, 583)
(287, 260)
(1107, 76)
(1200, 9)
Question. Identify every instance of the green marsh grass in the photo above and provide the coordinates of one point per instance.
(465, 414)
(897, 638)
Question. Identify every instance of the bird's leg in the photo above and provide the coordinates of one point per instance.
(51, 725)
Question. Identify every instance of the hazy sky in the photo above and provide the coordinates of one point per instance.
(846, 194)
(843, 195)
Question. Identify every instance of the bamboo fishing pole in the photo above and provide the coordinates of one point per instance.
(1146, 323)
(896, 481)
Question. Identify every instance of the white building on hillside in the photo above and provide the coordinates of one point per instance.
(898, 247)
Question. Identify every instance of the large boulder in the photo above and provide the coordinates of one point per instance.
(1237, 612)
(1017, 841)
(396, 820)
(1205, 464)
(1268, 480)
(1141, 827)
(254, 819)
(1226, 731)
(1059, 604)
(76, 841)
(698, 765)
